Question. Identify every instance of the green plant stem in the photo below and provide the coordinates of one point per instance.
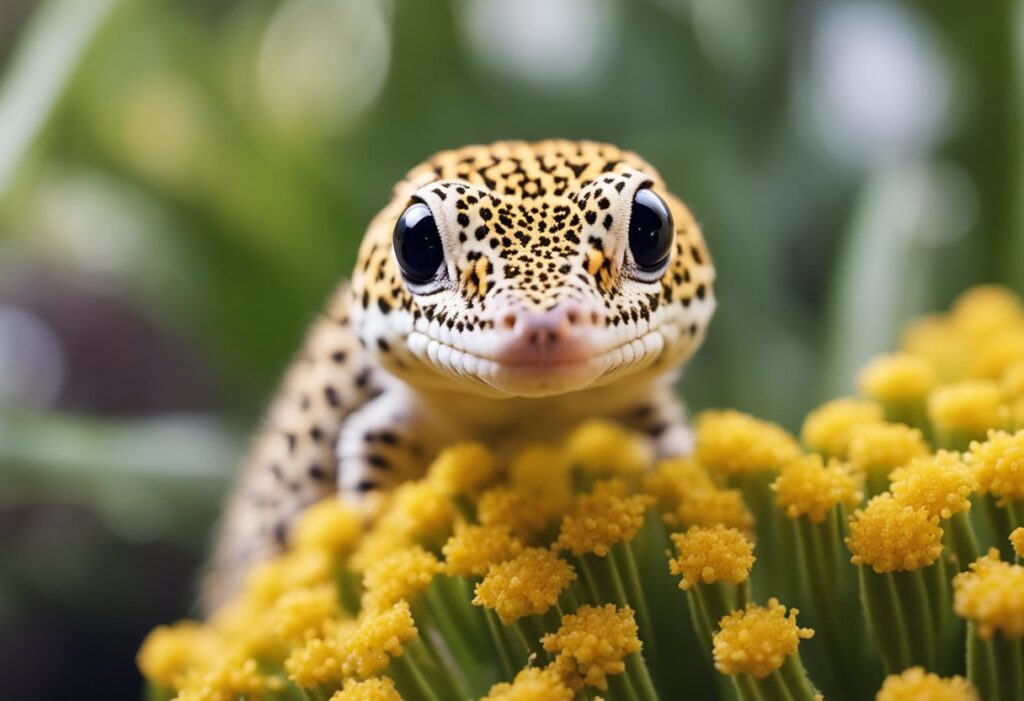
(410, 681)
(962, 540)
(795, 676)
(886, 620)
(915, 604)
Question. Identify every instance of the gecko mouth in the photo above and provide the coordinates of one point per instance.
(538, 374)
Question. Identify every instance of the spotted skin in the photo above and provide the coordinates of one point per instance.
(393, 371)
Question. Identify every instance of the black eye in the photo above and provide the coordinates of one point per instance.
(417, 244)
(650, 230)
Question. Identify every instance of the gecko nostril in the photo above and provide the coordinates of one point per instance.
(508, 321)
(595, 318)
(572, 317)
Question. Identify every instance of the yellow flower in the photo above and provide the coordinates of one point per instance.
(528, 584)
(592, 644)
(915, 684)
(941, 484)
(169, 652)
(526, 514)
(473, 549)
(292, 570)
(378, 638)
(984, 309)
(329, 525)
(419, 511)
(1012, 382)
(732, 442)
(710, 506)
(881, 447)
(892, 537)
(673, 480)
(300, 614)
(229, 678)
(403, 574)
(606, 516)
(544, 470)
(969, 407)
(532, 684)
(829, 428)
(373, 689)
(709, 555)
(757, 640)
(464, 468)
(990, 595)
(606, 449)
(998, 464)
(936, 338)
(1017, 541)
(806, 487)
(999, 352)
(897, 378)
(319, 660)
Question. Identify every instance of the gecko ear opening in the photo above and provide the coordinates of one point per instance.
(417, 243)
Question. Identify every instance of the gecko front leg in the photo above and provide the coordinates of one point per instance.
(387, 441)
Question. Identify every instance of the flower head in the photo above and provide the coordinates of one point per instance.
(373, 689)
(403, 574)
(606, 449)
(464, 468)
(228, 678)
(990, 595)
(1017, 541)
(891, 536)
(985, 309)
(543, 470)
(970, 407)
(998, 464)
(732, 442)
(882, 447)
(897, 378)
(526, 514)
(829, 428)
(528, 584)
(378, 638)
(673, 480)
(709, 555)
(941, 484)
(329, 525)
(592, 644)
(169, 652)
(532, 684)
(915, 684)
(602, 518)
(807, 487)
(473, 549)
(712, 505)
(757, 640)
(300, 614)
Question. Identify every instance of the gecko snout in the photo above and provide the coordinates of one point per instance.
(536, 331)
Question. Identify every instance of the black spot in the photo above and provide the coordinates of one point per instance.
(701, 291)
(481, 233)
(331, 395)
(366, 486)
(486, 214)
(603, 203)
(619, 185)
(363, 378)
(591, 217)
(316, 433)
(383, 305)
(696, 255)
(608, 221)
(379, 461)
(290, 437)
(440, 193)
(463, 219)
(275, 470)
(280, 533)
(339, 357)
(317, 473)
(384, 346)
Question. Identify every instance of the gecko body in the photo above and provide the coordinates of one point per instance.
(506, 293)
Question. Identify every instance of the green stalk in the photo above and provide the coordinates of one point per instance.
(717, 600)
(607, 578)
(437, 668)
(622, 688)
(623, 557)
(981, 664)
(505, 654)
(961, 540)
(637, 670)
(795, 676)
(773, 688)
(410, 681)
(913, 600)
(1009, 664)
(746, 688)
(885, 619)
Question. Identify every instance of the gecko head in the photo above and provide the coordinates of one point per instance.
(524, 270)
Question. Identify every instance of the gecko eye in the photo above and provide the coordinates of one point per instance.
(418, 244)
(650, 231)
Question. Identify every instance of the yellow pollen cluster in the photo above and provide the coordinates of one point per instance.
(231, 677)
(1012, 382)
(732, 442)
(316, 662)
(542, 470)
(328, 525)
(829, 428)
(532, 684)
(464, 468)
(378, 638)
(806, 487)
(170, 651)
(970, 407)
(374, 689)
(880, 447)
(606, 516)
(709, 555)
(941, 484)
(592, 644)
(986, 309)
(757, 640)
(998, 464)
(526, 514)
(604, 448)
(710, 506)
(418, 511)
(892, 537)
(292, 570)
(1017, 541)
(897, 378)
(300, 614)
(915, 684)
(403, 574)
(997, 354)
(528, 584)
(672, 480)
(473, 549)
(990, 594)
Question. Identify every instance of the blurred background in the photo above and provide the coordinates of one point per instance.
(182, 182)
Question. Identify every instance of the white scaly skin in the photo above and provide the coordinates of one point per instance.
(537, 319)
